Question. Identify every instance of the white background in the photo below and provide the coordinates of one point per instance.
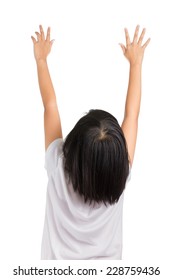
(88, 71)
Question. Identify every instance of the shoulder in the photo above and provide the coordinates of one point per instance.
(55, 147)
(52, 154)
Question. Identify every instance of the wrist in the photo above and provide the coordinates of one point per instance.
(41, 61)
(136, 62)
(136, 65)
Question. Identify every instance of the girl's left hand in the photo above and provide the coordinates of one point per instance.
(42, 46)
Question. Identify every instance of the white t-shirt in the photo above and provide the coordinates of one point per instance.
(73, 229)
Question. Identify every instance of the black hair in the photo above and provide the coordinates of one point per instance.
(96, 157)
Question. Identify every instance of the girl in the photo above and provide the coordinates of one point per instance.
(88, 171)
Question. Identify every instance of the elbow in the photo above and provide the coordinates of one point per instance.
(50, 105)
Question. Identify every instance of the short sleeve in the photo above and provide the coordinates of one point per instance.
(129, 175)
(53, 152)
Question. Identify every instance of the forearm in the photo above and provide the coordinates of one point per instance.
(133, 99)
(45, 83)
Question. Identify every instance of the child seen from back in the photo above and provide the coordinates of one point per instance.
(88, 171)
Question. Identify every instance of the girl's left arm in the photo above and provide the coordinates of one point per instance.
(52, 122)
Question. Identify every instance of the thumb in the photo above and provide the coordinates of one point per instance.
(34, 40)
(122, 47)
(51, 42)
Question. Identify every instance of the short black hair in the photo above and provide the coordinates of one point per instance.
(96, 157)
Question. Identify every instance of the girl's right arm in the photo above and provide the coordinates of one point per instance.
(134, 52)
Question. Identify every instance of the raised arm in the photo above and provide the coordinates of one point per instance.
(134, 52)
(52, 123)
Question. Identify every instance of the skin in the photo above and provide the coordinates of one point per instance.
(52, 122)
(133, 51)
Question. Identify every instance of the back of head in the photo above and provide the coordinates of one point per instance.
(96, 157)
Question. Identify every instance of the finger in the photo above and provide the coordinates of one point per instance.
(48, 34)
(34, 40)
(51, 42)
(127, 37)
(122, 47)
(42, 32)
(141, 37)
(38, 36)
(135, 38)
(146, 43)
